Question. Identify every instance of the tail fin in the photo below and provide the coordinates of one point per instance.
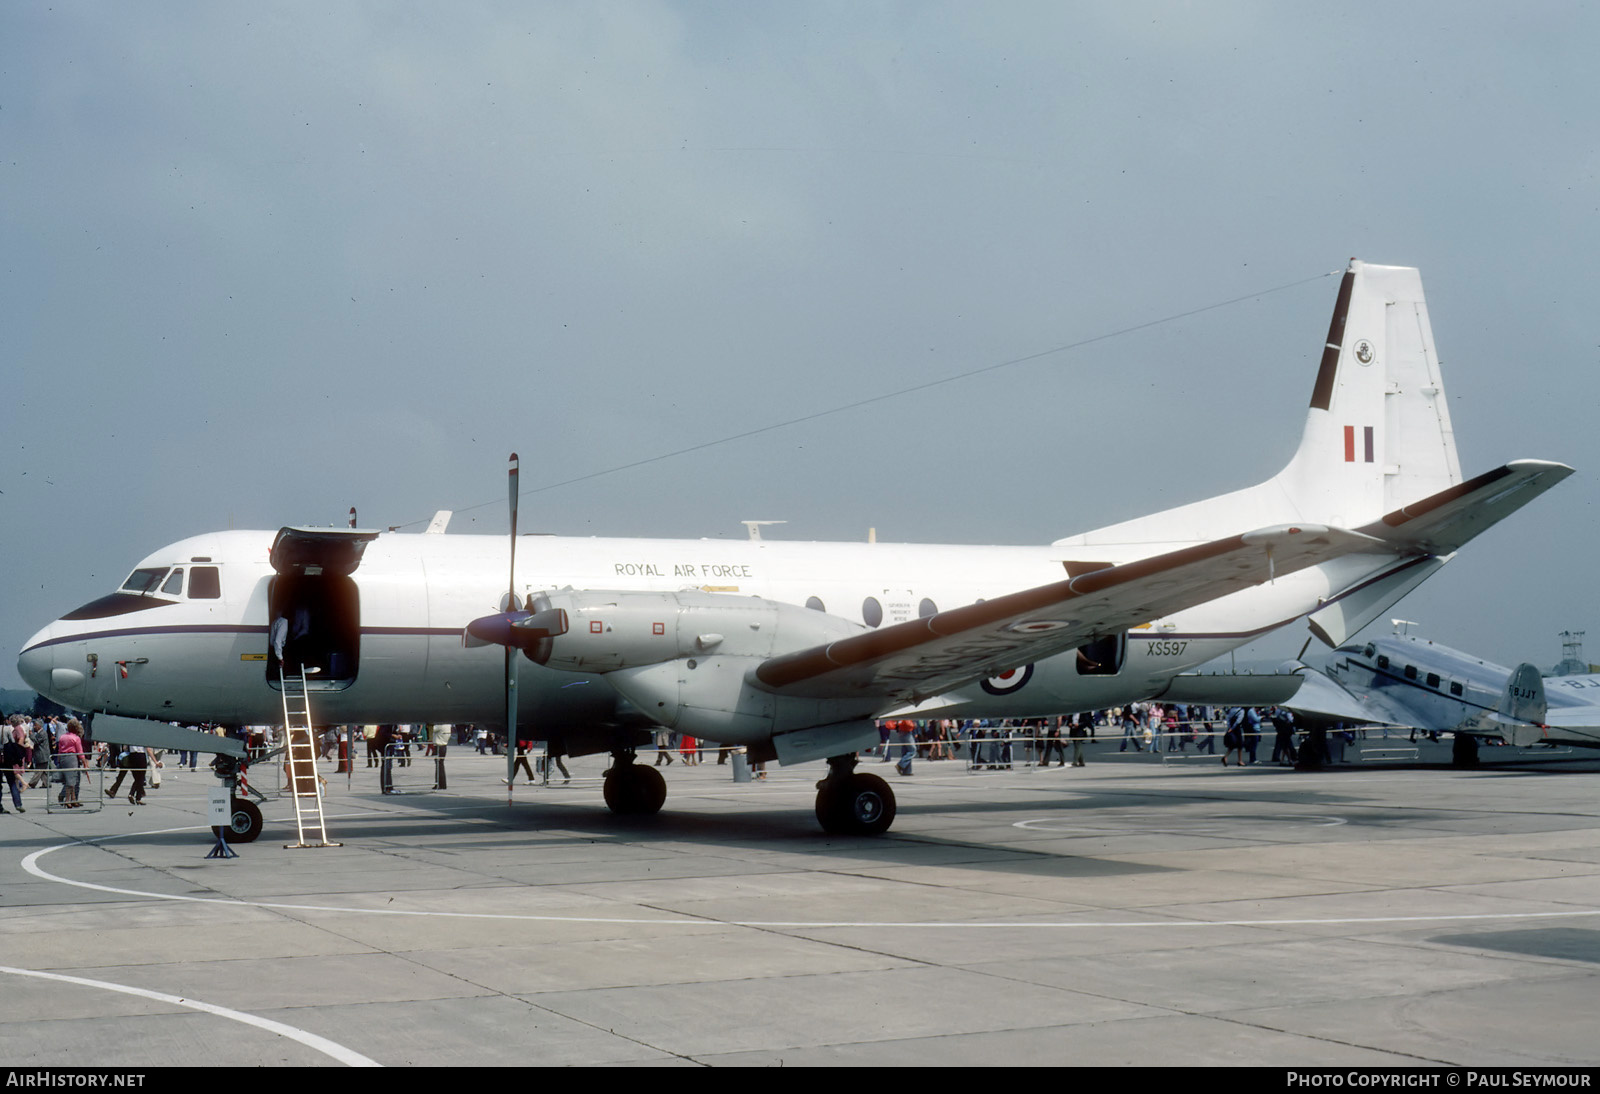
(1377, 435)
(1522, 707)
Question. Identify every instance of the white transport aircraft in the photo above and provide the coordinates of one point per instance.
(1407, 680)
(793, 649)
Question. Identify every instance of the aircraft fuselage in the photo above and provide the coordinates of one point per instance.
(182, 658)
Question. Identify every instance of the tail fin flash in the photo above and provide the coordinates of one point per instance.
(1378, 432)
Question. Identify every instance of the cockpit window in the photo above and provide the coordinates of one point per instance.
(204, 583)
(173, 586)
(144, 582)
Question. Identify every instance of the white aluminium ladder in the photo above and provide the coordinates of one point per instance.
(300, 755)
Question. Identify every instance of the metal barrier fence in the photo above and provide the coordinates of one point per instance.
(66, 786)
(1023, 747)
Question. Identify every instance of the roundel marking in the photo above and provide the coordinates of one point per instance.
(1008, 682)
(1039, 626)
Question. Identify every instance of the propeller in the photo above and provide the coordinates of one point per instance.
(515, 629)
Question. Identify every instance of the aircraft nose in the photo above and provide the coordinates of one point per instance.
(41, 664)
(35, 662)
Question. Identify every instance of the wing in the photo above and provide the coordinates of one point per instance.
(1324, 698)
(910, 661)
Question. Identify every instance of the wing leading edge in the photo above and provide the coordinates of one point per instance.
(910, 661)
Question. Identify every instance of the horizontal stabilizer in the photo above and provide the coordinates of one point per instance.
(1443, 522)
(913, 660)
(1337, 621)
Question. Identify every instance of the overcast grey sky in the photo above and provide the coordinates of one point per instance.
(263, 262)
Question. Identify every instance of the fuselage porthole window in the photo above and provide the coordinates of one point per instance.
(871, 611)
(815, 604)
(1455, 688)
(1411, 672)
(1433, 679)
(1383, 661)
(927, 608)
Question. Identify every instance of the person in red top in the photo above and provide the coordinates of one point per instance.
(70, 761)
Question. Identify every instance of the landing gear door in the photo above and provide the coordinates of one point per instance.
(314, 606)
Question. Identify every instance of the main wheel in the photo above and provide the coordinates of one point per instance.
(635, 790)
(859, 805)
(244, 823)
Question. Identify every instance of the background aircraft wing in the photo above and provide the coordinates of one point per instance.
(913, 660)
(1324, 698)
(1442, 522)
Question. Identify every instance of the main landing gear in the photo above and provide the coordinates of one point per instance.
(849, 804)
(633, 790)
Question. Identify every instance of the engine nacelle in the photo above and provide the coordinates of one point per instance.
(609, 630)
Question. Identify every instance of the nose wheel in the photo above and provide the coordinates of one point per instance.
(852, 804)
(244, 822)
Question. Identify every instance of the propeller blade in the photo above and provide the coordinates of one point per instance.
(511, 477)
(511, 653)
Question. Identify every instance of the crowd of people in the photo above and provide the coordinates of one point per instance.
(1156, 728)
(58, 750)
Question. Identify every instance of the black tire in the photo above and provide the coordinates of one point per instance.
(617, 791)
(828, 812)
(651, 789)
(861, 805)
(632, 790)
(244, 824)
